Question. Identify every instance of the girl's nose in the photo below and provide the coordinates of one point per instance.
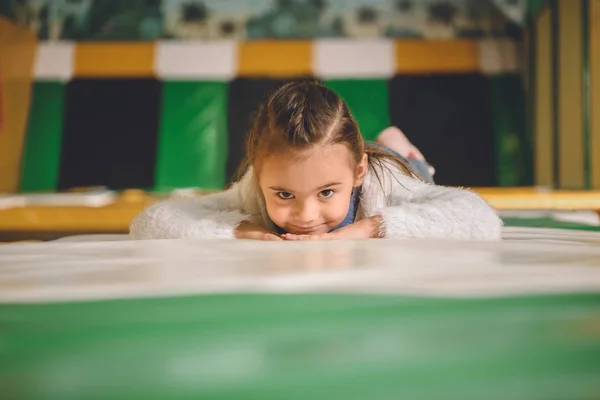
(307, 212)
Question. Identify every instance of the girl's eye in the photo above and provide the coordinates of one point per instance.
(327, 193)
(285, 195)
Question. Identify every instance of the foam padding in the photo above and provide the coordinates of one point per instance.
(117, 216)
(193, 135)
(530, 198)
(594, 139)
(571, 156)
(499, 56)
(346, 320)
(273, 58)
(417, 56)
(110, 134)
(353, 59)
(304, 342)
(511, 145)
(368, 102)
(17, 58)
(135, 59)
(448, 117)
(544, 126)
(41, 157)
(195, 60)
(54, 61)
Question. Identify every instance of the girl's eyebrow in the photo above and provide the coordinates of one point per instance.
(328, 185)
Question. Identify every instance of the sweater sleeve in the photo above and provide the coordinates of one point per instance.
(214, 216)
(420, 210)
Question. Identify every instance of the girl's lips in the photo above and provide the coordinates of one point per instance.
(305, 229)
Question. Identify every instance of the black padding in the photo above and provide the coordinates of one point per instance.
(449, 118)
(110, 133)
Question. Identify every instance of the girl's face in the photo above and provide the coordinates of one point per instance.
(310, 194)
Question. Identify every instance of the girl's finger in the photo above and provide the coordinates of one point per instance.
(291, 236)
(325, 236)
(270, 237)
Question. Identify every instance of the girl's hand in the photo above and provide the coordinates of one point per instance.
(246, 230)
(367, 228)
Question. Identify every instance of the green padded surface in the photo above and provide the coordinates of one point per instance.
(368, 102)
(303, 347)
(547, 222)
(193, 135)
(41, 156)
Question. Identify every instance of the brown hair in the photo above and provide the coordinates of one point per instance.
(301, 114)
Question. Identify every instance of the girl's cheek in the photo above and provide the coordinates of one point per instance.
(278, 212)
(337, 210)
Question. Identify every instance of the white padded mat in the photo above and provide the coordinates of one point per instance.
(527, 261)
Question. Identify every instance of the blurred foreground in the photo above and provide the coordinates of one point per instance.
(112, 318)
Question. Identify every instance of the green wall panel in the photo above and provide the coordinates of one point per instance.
(368, 102)
(535, 6)
(513, 155)
(193, 141)
(41, 157)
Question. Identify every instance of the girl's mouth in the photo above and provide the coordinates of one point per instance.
(304, 230)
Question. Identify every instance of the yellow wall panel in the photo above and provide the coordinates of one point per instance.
(544, 125)
(570, 100)
(17, 57)
(415, 56)
(115, 59)
(275, 58)
(594, 147)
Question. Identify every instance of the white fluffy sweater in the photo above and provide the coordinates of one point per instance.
(409, 208)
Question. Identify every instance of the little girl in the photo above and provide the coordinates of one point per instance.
(310, 176)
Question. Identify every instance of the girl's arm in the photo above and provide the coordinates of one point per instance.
(420, 210)
(214, 216)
